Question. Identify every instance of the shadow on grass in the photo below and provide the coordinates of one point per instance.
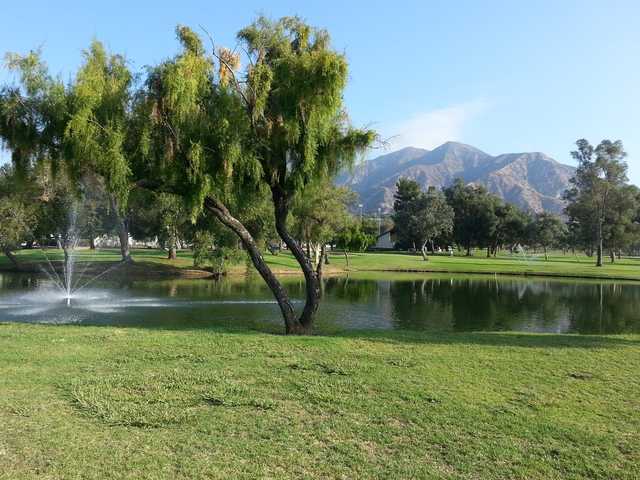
(493, 339)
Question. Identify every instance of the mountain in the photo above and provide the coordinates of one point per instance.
(532, 181)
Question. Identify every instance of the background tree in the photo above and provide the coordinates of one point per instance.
(352, 238)
(601, 173)
(15, 221)
(475, 218)
(620, 227)
(318, 215)
(406, 198)
(547, 230)
(33, 114)
(511, 227)
(173, 218)
(419, 216)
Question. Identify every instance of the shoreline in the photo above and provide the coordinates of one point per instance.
(153, 270)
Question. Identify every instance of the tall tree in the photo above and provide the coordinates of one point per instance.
(547, 230)
(601, 173)
(475, 218)
(621, 222)
(404, 206)
(420, 217)
(33, 115)
(511, 227)
(98, 127)
(15, 220)
(298, 124)
(280, 128)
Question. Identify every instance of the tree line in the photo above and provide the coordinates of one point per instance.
(602, 213)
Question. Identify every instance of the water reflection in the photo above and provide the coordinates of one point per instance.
(456, 303)
(409, 302)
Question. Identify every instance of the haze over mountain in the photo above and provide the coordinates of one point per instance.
(532, 181)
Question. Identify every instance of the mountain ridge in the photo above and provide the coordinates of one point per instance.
(531, 180)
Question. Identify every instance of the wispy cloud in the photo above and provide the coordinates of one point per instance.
(433, 128)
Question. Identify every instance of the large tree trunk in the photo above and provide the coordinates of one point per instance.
(220, 211)
(123, 232)
(123, 236)
(92, 243)
(321, 261)
(172, 251)
(599, 253)
(424, 252)
(312, 301)
(12, 258)
(546, 257)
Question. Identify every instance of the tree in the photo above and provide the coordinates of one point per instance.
(511, 227)
(475, 217)
(33, 116)
(620, 227)
(216, 138)
(351, 237)
(172, 217)
(298, 124)
(15, 219)
(419, 216)
(601, 173)
(317, 216)
(547, 230)
(404, 206)
(98, 127)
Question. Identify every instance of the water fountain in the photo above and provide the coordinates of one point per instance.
(66, 281)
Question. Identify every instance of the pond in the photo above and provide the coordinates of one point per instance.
(435, 302)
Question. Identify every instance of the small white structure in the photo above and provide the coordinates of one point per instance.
(112, 241)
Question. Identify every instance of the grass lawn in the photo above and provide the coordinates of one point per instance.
(131, 403)
(558, 264)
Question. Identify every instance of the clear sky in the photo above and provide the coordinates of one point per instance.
(504, 76)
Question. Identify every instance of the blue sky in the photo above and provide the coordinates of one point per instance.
(505, 76)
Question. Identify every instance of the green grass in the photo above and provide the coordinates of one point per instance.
(128, 403)
(557, 265)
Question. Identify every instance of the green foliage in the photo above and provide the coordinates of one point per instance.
(98, 126)
(321, 211)
(547, 230)
(208, 253)
(475, 214)
(294, 100)
(33, 114)
(352, 238)
(203, 247)
(15, 223)
(512, 227)
(419, 216)
(600, 204)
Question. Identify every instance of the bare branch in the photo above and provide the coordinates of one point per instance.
(227, 66)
